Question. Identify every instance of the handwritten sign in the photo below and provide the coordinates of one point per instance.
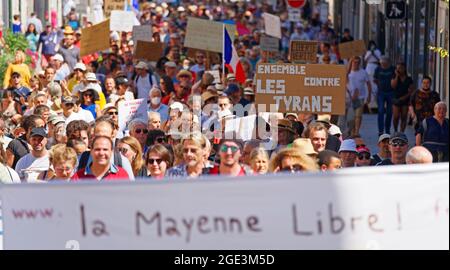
(301, 88)
(390, 207)
(151, 51)
(143, 33)
(303, 51)
(272, 25)
(95, 38)
(123, 21)
(111, 5)
(270, 44)
(128, 110)
(206, 35)
(353, 48)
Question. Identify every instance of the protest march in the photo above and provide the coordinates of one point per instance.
(220, 125)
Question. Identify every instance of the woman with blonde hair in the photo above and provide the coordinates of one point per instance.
(19, 66)
(132, 150)
(63, 161)
(259, 161)
(291, 160)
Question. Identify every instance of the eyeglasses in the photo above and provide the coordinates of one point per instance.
(88, 95)
(398, 144)
(140, 130)
(152, 161)
(292, 168)
(224, 149)
(113, 113)
(362, 156)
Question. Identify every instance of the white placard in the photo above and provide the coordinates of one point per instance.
(143, 33)
(129, 110)
(294, 14)
(389, 207)
(272, 25)
(123, 21)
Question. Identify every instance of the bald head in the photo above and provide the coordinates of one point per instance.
(419, 155)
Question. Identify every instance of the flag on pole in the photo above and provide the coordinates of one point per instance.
(231, 58)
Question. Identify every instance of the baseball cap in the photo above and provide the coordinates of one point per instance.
(141, 65)
(383, 137)
(363, 149)
(55, 119)
(335, 130)
(232, 88)
(398, 136)
(68, 100)
(80, 66)
(177, 106)
(348, 145)
(58, 57)
(292, 114)
(38, 131)
(121, 80)
(170, 64)
(91, 76)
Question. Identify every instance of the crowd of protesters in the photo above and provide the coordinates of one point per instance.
(61, 120)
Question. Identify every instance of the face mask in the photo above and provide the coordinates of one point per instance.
(186, 67)
(156, 100)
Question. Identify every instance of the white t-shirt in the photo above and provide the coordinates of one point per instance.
(29, 167)
(358, 80)
(128, 97)
(73, 116)
(86, 116)
(143, 86)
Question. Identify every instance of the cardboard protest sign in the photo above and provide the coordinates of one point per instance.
(206, 35)
(123, 21)
(272, 25)
(151, 51)
(212, 57)
(143, 33)
(128, 110)
(270, 44)
(302, 51)
(353, 48)
(301, 88)
(94, 38)
(111, 5)
(384, 207)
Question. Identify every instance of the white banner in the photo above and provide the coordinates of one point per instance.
(129, 110)
(396, 207)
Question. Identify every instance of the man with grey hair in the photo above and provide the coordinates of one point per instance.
(154, 98)
(154, 121)
(419, 155)
(383, 76)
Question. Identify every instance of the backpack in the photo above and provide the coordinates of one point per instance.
(84, 158)
(150, 78)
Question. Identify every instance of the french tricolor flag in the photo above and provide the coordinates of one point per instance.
(231, 58)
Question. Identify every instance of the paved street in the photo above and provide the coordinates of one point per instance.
(369, 132)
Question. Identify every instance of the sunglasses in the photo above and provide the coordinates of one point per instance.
(113, 113)
(360, 145)
(292, 168)
(160, 140)
(123, 150)
(139, 131)
(398, 144)
(362, 156)
(152, 161)
(224, 149)
(88, 95)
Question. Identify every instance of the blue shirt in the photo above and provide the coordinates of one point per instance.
(435, 138)
(49, 42)
(163, 111)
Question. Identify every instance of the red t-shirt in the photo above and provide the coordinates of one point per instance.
(116, 174)
(216, 171)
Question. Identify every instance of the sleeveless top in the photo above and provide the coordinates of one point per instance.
(90, 108)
